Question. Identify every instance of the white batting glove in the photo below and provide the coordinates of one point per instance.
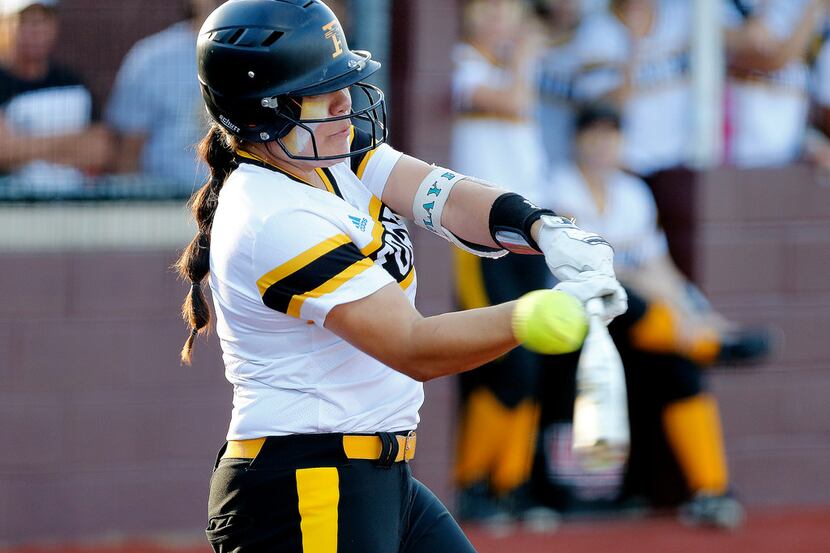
(569, 250)
(592, 284)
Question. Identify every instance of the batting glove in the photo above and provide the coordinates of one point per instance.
(592, 284)
(569, 250)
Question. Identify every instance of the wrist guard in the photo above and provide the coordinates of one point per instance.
(511, 219)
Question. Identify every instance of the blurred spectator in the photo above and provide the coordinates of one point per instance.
(156, 107)
(48, 141)
(495, 137)
(558, 69)
(669, 333)
(636, 54)
(817, 143)
(767, 43)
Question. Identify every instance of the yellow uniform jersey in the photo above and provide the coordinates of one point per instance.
(283, 254)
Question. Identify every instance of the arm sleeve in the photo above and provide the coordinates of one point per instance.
(306, 273)
(129, 109)
(373, 167)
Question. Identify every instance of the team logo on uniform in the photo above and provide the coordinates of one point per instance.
(335, 34)
(396, 255)
(359, 224)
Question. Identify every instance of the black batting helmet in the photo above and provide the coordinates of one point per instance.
(254, 56)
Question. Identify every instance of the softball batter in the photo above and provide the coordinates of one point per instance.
(312, 277)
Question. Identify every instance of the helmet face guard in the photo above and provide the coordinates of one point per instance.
(374, 117)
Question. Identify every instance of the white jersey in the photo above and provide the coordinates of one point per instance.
(657, 115)
(283, 254)
(505, 151)
(558, 70)
(628, 220)
(768, 110)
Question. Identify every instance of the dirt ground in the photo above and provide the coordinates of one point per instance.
(766, 531)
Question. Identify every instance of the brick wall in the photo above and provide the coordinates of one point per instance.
(104, 430)
(95, 35)
(758, 244)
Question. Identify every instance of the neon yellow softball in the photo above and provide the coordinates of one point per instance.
(550, 322)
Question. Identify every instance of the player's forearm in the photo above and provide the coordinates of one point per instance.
(468, 205)
(456, 342)
(467, 213)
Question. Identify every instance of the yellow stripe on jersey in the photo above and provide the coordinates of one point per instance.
(407, 280)
(375, 205)
(361, 140)
(317, 271)
(296, 303)
(326, 180)
(318, 490)
(364, 162)
(315, 252)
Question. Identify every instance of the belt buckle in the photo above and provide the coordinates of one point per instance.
(409, 446)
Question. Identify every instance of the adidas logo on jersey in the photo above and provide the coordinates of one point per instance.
(359, 224)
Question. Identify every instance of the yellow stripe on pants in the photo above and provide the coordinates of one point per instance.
(319, 492)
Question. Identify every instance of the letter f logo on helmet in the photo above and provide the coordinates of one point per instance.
(333, 32)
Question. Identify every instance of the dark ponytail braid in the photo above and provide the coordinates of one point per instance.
(194, 264)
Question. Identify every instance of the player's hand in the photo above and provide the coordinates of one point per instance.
(590, 284)
(569, 250)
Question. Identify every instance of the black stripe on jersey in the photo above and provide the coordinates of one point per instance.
(361, 140)
(333, 182)
(311, 276)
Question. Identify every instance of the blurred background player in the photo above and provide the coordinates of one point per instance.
(817, 145)
(558, 69)
(767, 45)
(156, 107)
(636, 54)
(49, 140)
(669, 334)
(495, 138)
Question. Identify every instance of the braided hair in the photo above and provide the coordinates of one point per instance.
(217, 150)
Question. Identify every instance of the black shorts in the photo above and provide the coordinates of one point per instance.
(302, 494)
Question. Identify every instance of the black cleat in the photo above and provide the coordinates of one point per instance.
(476, 505)
(723, 512)
(744, 346)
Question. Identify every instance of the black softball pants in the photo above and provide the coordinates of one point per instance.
(301, 494)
